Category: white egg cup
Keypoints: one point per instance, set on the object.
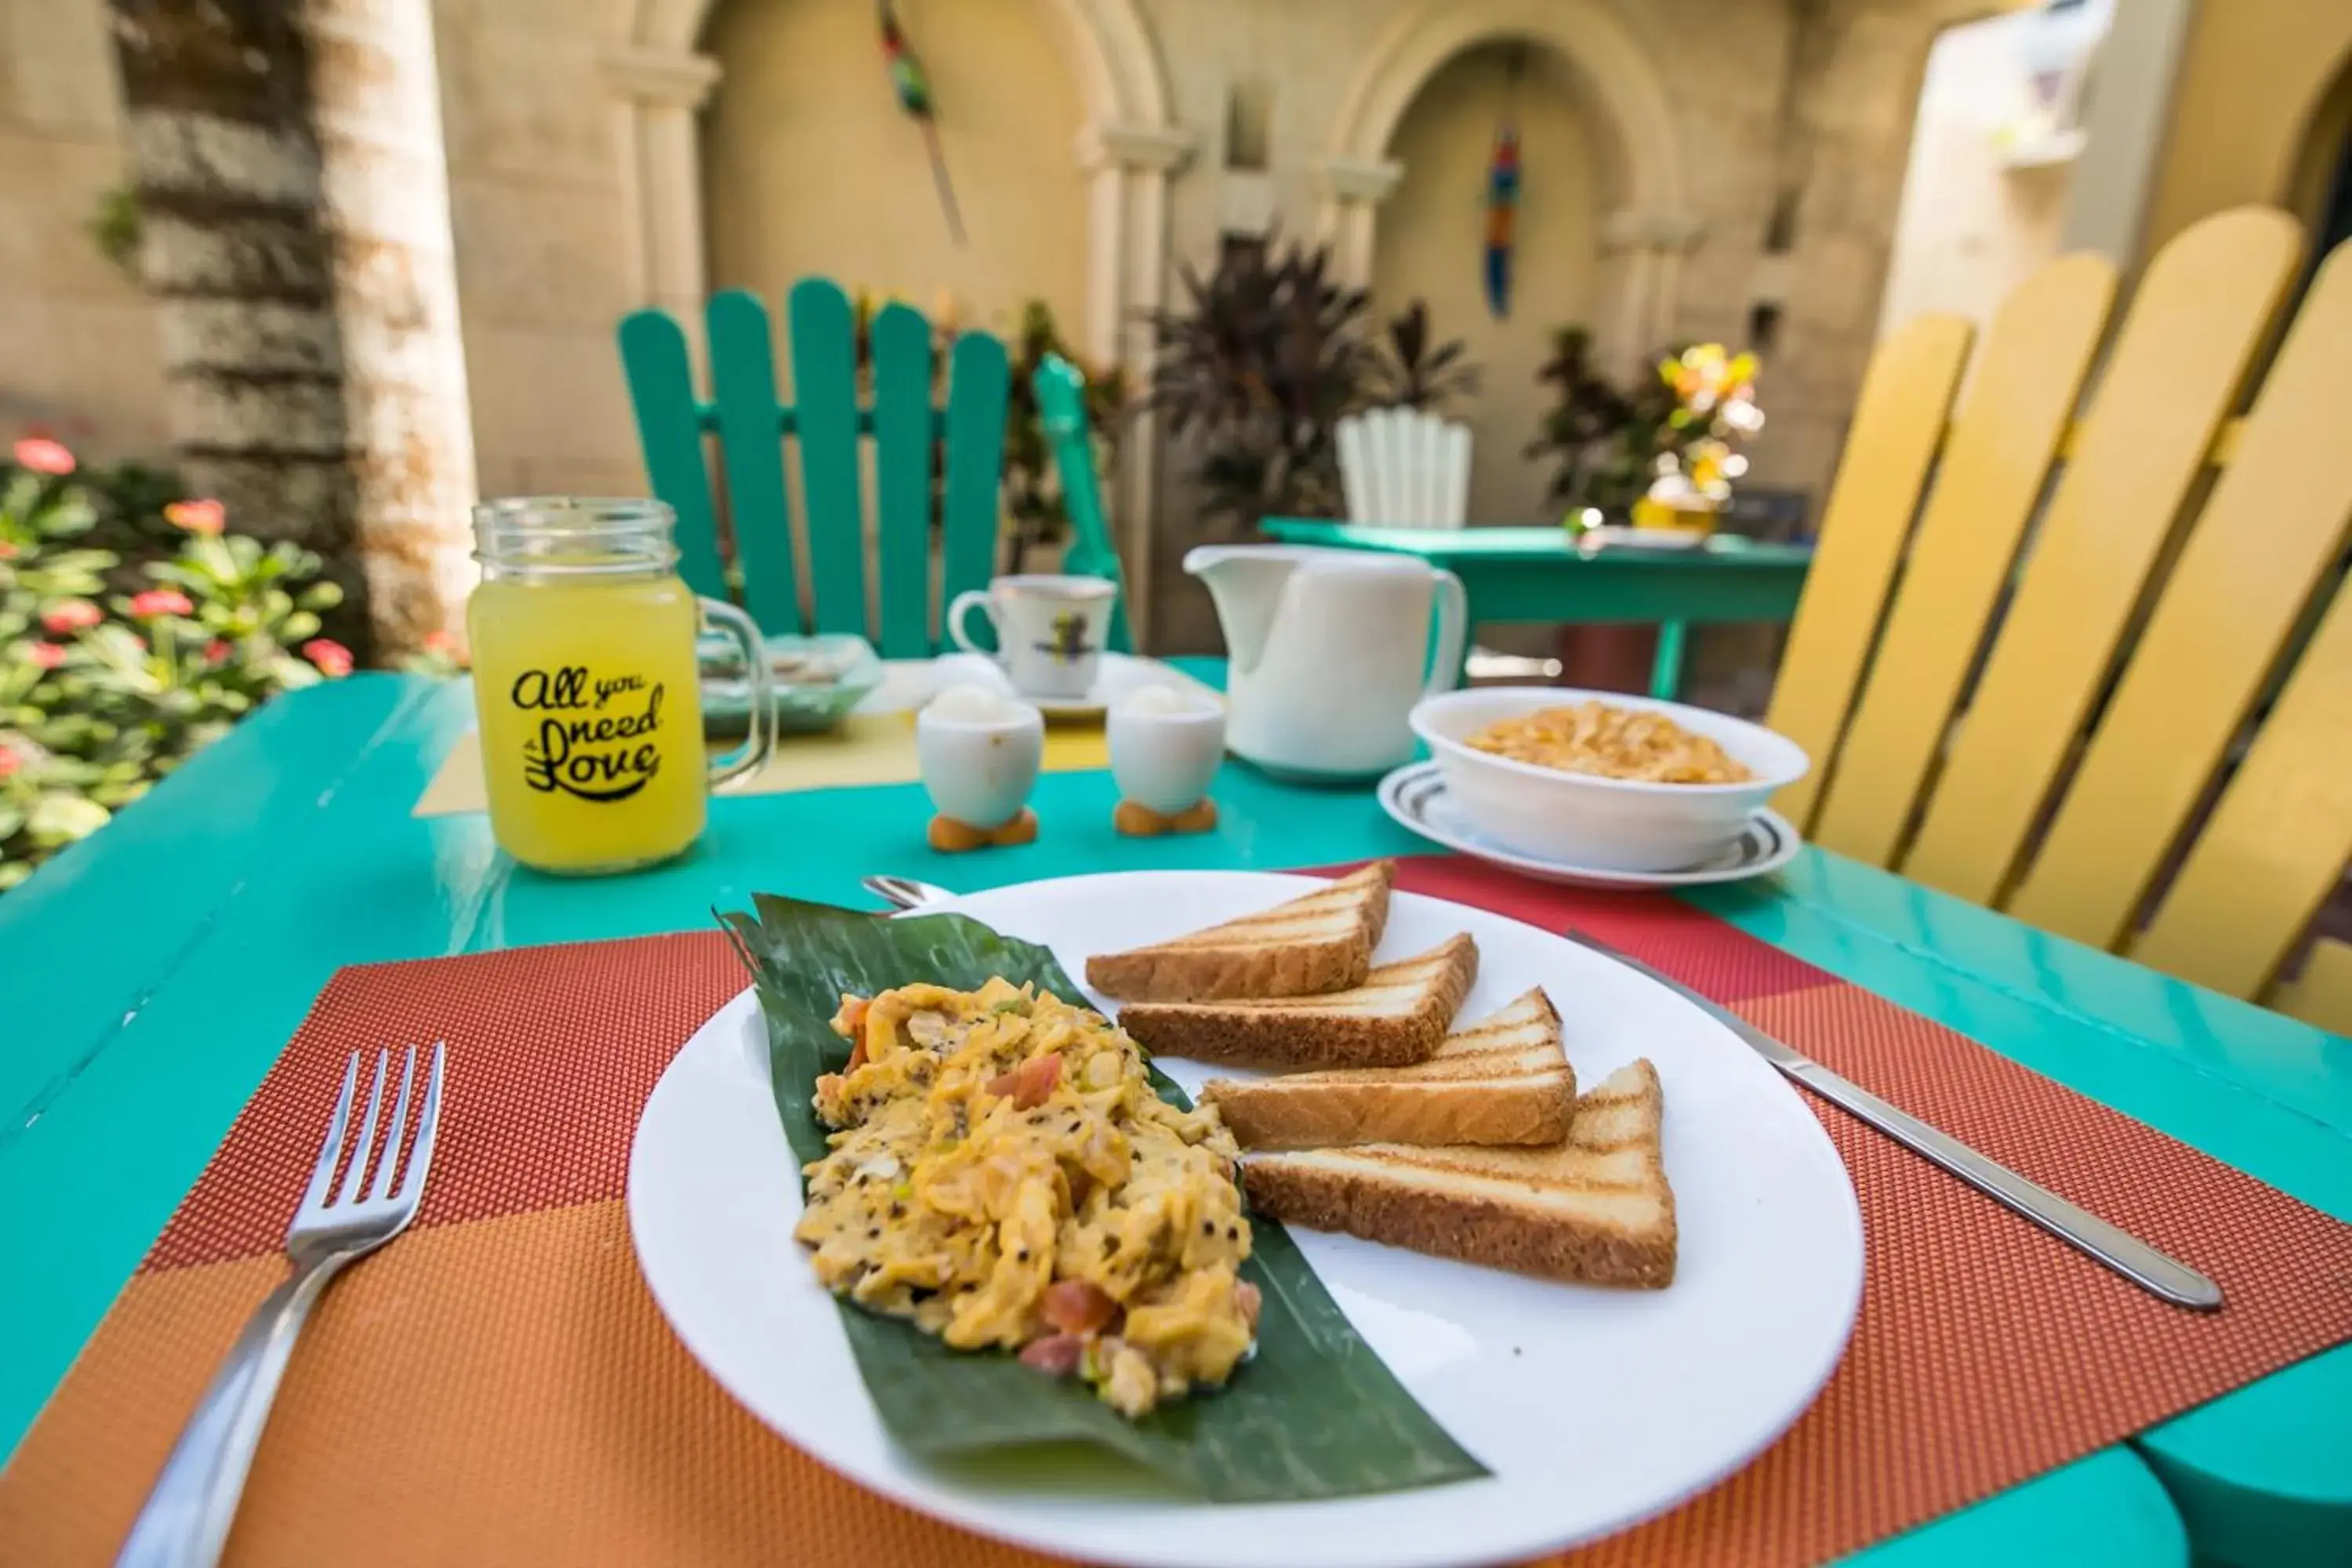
(979, 773)
(1163, 762)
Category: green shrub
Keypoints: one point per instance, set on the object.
(134, 630)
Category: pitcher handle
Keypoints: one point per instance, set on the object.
(1453, 632)
(761, 741)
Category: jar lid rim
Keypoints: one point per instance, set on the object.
(512, 534)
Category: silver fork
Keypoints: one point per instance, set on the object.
(905, 892)
(185, 1521)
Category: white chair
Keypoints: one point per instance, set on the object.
(1403, 468)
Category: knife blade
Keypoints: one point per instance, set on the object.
(2161, 1275)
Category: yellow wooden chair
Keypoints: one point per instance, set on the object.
(2036, 715)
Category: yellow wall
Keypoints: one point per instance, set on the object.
(810, 167)
(2253, 74)
(1432, 240)
(1970, 230)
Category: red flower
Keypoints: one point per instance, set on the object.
(7, 551)
(9, 762)
(216, 652)
(204, 517)
(332, 657)
(161, 602)
(47, 656)
(71, 615)
(43, 456)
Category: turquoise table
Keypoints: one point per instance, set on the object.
(148, 976)
(1542, 575)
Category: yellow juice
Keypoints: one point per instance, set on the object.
(590, 717)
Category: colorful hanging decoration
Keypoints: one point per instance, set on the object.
(1502, 205)
(1503, 195)
(914, 92)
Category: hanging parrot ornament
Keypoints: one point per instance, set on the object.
(1502, 211)
(914, 93)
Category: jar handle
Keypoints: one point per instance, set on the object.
(761, 741)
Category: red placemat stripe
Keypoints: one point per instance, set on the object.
(1713, 958)
(541, 1104)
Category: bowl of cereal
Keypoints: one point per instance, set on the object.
(1602, 780)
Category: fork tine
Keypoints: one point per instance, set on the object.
(356, 1177)
(428, 1121)
(331, 1150)
(382, 1186)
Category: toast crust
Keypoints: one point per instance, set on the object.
(1596, 1210)
(1505, 1079)
(1320, 941)
(1397, 1017)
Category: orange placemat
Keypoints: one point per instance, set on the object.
(499, 1387)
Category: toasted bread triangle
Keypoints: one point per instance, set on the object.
(1396, 1017)
(1595, 1208)
(1319, 942)
(1504, 1079)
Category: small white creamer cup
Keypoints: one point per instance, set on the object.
(1166, 743)
(979, 753)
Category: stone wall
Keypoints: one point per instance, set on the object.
(1800, 105)
(79, 350)
(1431, 246)
(1853, 88)
(1805, 105)
(535, 195)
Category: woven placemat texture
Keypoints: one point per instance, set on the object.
(499, 1387)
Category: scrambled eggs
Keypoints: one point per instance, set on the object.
(1004, 1176)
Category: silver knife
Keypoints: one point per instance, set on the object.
(2134, 1259)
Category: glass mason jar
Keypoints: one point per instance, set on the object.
(588, 687)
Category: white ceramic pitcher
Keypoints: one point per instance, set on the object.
(1328, 650)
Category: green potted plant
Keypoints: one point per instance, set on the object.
(1257, 364)
(1612, 446)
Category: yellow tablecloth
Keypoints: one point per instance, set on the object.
(869, 748)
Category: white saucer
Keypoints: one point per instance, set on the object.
(1118, 674)
(1417, 796)
(1617, 535)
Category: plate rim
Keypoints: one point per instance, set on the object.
(1393, 782)
(907, 1487)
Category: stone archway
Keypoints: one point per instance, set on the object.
(1649, 226)
(1130, 148)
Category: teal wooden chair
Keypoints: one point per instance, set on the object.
(829, 421)
(1062, 405)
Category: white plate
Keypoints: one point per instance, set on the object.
(1417, 796)
(1594, 1408)
(1118, 674)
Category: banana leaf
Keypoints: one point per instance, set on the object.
(1314, 1414)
